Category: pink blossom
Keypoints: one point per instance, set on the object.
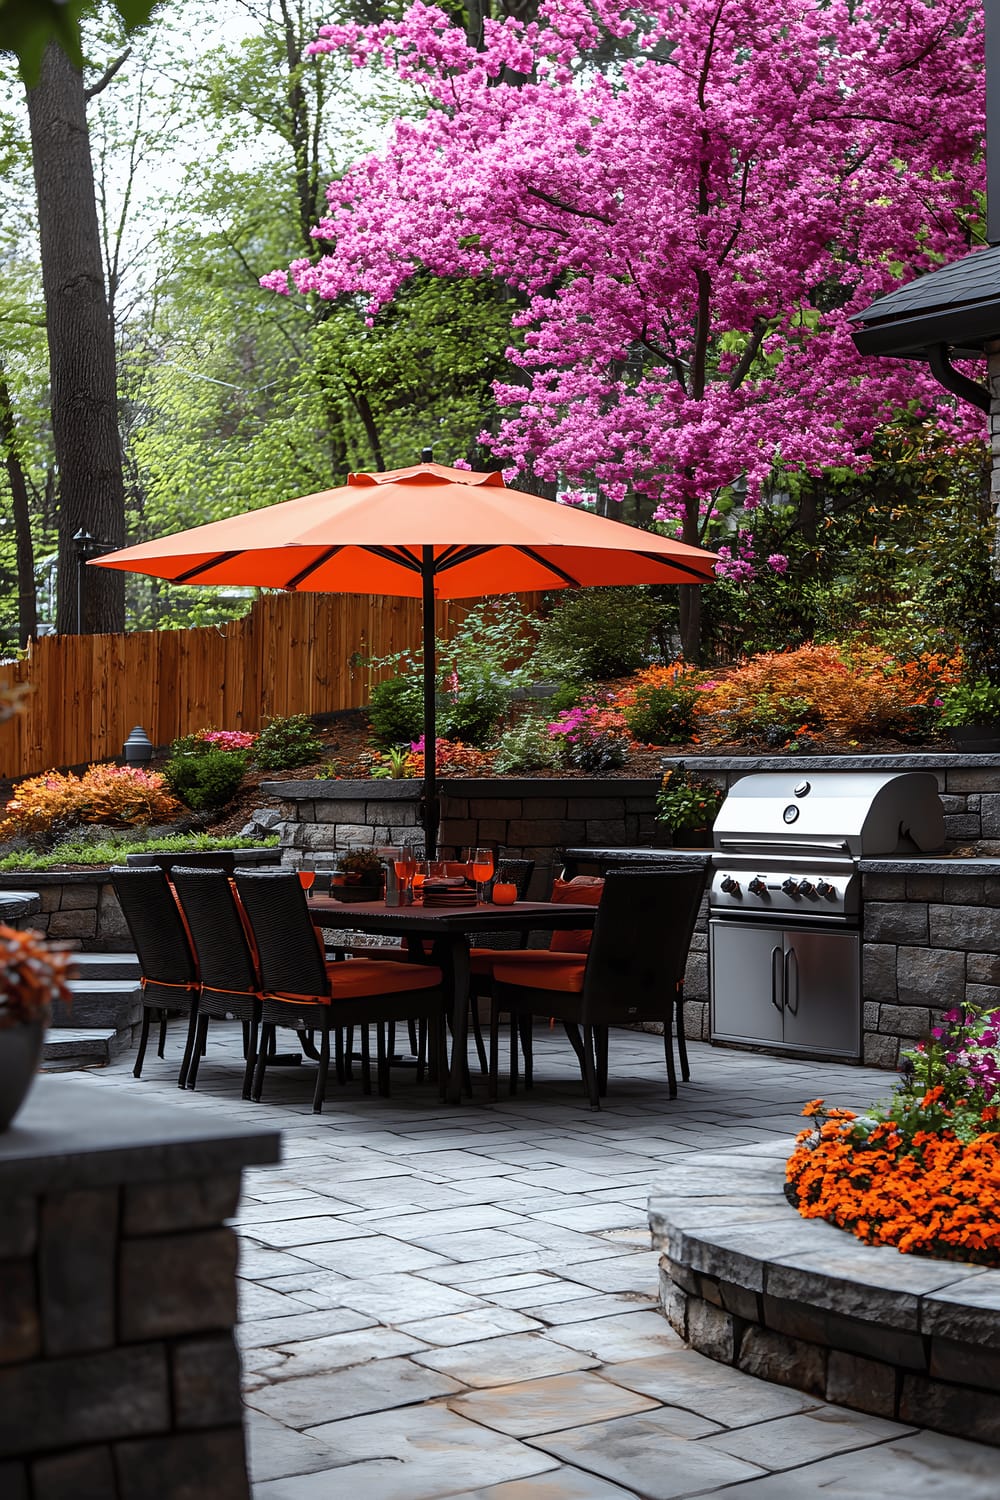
(686, 234)
(778, 562)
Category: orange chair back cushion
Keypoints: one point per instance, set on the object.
(582, 890)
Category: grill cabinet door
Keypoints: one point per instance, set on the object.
(822, 985)
(747, 967)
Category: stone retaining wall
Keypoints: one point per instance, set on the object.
(119, 1376)
(745, 1280)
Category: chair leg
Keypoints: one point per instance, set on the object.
(601, 1049)
(163, 1034)
(590, 1068)
(366, 1060)
(439, 1034)
(682, 1050)
(572, 1031)
(198, 1051)
(414, 1040)
(477, 1032)
(420, 1050)
(250, 1052)
(494, 1077)
(143, 1039)
(525, 1028)
(513, 1053)
(267, 1038)
(349, 1055)
(382, 1076)
(322, 1070)
(338, 1054)
(391, 1039)
(668, 1049)
(192, 1032)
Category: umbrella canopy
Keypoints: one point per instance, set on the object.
(428, 532)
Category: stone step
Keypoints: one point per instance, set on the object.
(106, 965)
(88, 1047)
(99, 1003)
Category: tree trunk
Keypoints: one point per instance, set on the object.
(81, 344)
(27, 599)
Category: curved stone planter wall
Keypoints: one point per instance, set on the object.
(748, 1282)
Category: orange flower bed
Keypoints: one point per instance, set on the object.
(928, 1194)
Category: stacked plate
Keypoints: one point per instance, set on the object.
(451, 891)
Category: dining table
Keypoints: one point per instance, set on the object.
(451, 930)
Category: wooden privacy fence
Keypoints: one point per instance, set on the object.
(293, 653)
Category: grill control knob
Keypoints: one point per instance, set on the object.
(824, 888)
(790, 886)
(757, 886)
(806, 888)
(730, 886)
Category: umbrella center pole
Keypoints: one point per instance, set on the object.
(431, 808)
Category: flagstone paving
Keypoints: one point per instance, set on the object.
(462, 1302)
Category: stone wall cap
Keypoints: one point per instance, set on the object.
(387, 790)
(73, 1134)
(921, 865)
(927, 760)
(19, 904)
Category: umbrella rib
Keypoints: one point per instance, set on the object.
(451, 557)
(399, 556)
(674, 562)
(311, 567)
(192, 573)
(551, 566)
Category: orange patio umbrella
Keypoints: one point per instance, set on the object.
(427, 532)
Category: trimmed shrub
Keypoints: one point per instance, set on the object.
(603, 632)
(286, 742)
(207, 780)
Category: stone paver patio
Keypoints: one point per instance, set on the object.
(461, 1302)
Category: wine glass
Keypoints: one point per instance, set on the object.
(482, 871)
(307, 875)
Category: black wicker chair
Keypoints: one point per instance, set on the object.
(303, 991)
(230, 987)
(169, 969)
(634, 972)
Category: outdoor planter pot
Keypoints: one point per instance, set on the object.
(20, 1054)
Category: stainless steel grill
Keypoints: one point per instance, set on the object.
(785, 899)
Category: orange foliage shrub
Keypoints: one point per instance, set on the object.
(932, 1194)
(105, 793)
(32, 975)
(850, 692)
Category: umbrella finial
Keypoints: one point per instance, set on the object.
(427, 455)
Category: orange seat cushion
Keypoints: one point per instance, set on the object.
(364, 976)
(565, 976)
(482, 960)
(582, 890)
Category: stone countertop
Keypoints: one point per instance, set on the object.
(647, 855)
(75, 1134)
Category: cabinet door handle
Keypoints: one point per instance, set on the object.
(792, 972)
(777, 987)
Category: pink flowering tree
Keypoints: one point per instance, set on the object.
(686, 231)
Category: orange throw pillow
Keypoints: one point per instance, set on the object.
(582, 890)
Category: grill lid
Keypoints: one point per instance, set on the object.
(857, 813)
